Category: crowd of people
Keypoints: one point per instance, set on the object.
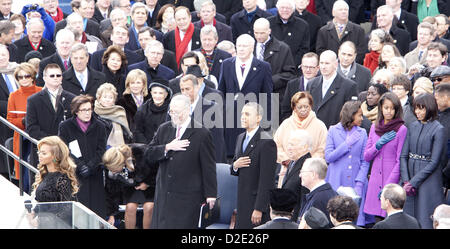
(329, 113)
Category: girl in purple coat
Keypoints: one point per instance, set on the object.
(383, 148)
(344, 153)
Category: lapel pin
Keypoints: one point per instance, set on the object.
(346, 32)
(332, 92)
(220, 61)
(403, 21)
(197, 42)
(353, 76)
(395, 41)
(270, 52)
(289, 34)
(254, 68)
(251, 145)
(40, 48)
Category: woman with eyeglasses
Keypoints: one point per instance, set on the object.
(25, 77)
(129, 180)
(420, 161)
(86, 138)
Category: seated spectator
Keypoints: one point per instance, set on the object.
(314, 219)
(441, 217)
(343, 212)
(393, 198)
(370, 105)
(227, 46)
(35, 11)
(115, 63)
(282, 202)
(135, 95)
(376, 40)
(114, 116)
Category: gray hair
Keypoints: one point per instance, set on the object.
(73, 16)
(199, 4)
(395, 194)
(79, 46)
(255, 106)
(386, 7)
(154, 43)
(34, 21)
(318, 165)
(246, 38)
(291, 2)
(226, 45)
(401, 61)
(340, 2)
(441, 212)
(183, 99)
(190, 77)
(303, 137)
(116, 11)
(208, 29)
(262, 22)
(64, 33)
(138, 5)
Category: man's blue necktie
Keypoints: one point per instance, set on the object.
(8, 83)
(244, 145)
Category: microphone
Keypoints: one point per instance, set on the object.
(28, 205)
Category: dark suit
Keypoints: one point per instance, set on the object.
(98, 17)
(279, 56)
(71, 84)
(12, 49)
(187, 3)
(163, 72)
(278, 224)
(96, 59)
(401, 39)
(293, 182)
(258, 81)
(398, 221)
(324, 10)
(219, 56)
(255, 181)
(223, 31)
(327, 39)
(174, 85)
(5, 132)
(167, 60)
(359, 74)
(56, 59)
(180, 191)
(169, 40)
(151, 20)
(196, 18)
(92, 27)
(314, 22)
(228, 8)
(446, 42)
(329, 108)
(46, 48)
(318, 198)
(408, 21)
(240, 25)
(295, 33)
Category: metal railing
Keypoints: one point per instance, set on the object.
(20, 157)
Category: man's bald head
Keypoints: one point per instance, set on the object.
(328, 63)
(261, 30)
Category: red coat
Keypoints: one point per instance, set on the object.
(371, 60)
(18, 102)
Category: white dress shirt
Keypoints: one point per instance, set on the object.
(85, 78)
(327, 83)
(190, 42)
(248, 64)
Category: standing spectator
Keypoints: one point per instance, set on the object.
(35, 11)
(53, 10)
(428, 8)
(343, 212)
(282, 202)
(7, 31)
(129, 178)
(344, 154)
(401, 86)
(246, 75)
(402, 38)
(370, 106)
(75, 24)
(25, 76)
(292, 30)
(165, 21)
(340, 29)
(64, 41)
(227, 46)
(178, 143)
(393, 198)
(56, 182)
(34, 41)
(377, 38)
(313, 20)
(117, 17)
(242, 21)
(330, 90)
(302, 118)
(383, 149)
(421, 172)
(425, 33)
(313, 175)
(86, 137)
(5, 9)
(442, 96)
(115, 63)
(443, 23)
(153, 7)
(298, 150)
(80, 78)
(254, 163)
(154, 111)
(85, 8)
(207, 18)
(114, 116)
(350, 69)
(139, 14)
(310, 69)
(135, 95)
(102, 10)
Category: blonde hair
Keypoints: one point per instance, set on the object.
(106, 87)
(115, 157)
(62, 161)
(133, 75)
(27, 68)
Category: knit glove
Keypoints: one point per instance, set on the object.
(352, 138)
(409, 189)
(386, 138)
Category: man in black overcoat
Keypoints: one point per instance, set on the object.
(242, 21)
(348, 68)
(254, 163)
(314, 21)
(186, 176)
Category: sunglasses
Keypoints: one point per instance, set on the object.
(55, 75)
(438, 79)
(21, 77)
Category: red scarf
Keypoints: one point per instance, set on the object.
(59, 15)
(32, 45)
(181, 46)
(203, 24)
(371, 60)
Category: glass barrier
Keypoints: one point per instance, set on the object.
(62, 215)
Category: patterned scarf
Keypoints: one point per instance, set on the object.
(209, 58)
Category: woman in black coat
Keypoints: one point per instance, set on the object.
(135, 94)
(86, 138)
(153, 112)
(129, 180)
(115, 63)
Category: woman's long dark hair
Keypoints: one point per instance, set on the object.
(427, 101)
(395, 101)
(348, 111)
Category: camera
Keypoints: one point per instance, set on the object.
(34, 7)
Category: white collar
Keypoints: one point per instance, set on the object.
(252, 133)
(395, 212)
(322, 182)
(398, 13)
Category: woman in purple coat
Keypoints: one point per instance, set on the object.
(384, 147)
(344, 153)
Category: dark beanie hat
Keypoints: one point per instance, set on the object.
(33, 54)
(283, 200)
(316, 219)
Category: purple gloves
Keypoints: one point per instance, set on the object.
(359, 188)
(352, 138)
(410, 190)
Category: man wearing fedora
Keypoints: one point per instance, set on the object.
(282, 202)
